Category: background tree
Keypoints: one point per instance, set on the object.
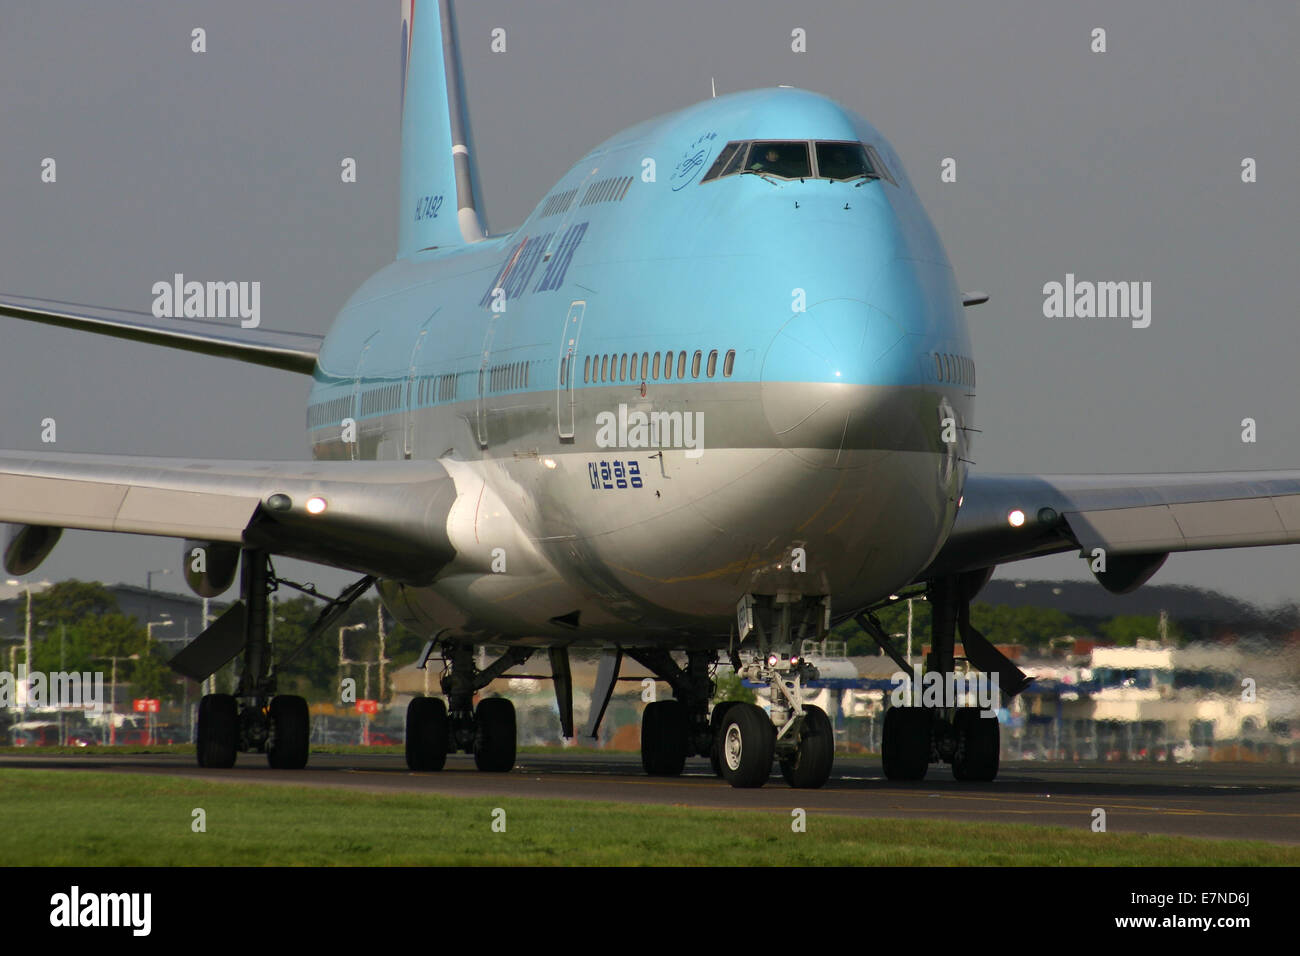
(68, 602)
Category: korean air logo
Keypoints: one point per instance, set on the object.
(688, 168)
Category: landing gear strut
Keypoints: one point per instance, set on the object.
(772, 628)
(962, 736)
(255, 719)
(672, 730)
(434, 729)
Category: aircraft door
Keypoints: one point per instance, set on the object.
(484, 379)
(412, 391)
(567, 371)
(354, 446)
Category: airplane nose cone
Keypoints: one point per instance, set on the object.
(817, 374)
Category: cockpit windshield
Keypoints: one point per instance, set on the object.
(799, 159)
(784, 159)
(843, 161)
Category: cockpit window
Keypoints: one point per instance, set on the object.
(732, 154)
(783, 159)
(799, 159)
(843, 161)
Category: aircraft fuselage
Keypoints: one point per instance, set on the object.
(656, 389)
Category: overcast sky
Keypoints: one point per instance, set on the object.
(1115, 166)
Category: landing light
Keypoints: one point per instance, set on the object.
(771, 660)
(315, 506)
(548, 462)
(1016, 518)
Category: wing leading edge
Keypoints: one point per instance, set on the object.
(1122, 514)
(190, 335)
(388, 519)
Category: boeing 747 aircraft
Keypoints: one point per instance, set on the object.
(713, 396)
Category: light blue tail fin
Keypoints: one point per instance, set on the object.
(439, 195)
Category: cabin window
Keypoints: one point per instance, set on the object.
(713, 363)
(695, 364)
(668, 365)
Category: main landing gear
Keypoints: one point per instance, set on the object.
(915, 737)
(434, 729)
(254, 719)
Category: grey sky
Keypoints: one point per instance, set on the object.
(225, 165)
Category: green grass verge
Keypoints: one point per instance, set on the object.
(120, 750)
(84, 818)
(316, 749)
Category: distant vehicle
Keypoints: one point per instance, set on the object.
(83, 740)
(378, 739)
(35, 734)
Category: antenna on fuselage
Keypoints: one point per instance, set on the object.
(714, 87)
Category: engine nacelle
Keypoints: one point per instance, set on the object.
(1128, 572)
(27, 545)
(210, 566)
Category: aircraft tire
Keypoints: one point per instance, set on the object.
(426, 734)
(291, 731)
(663, 738)
(810, 767)
(218, 731)
(905, 747)
(494, 735)
(978, 745)
(746, 746)
(715, 757)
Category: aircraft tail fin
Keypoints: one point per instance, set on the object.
(439, 193)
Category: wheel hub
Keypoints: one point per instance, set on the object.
(732, 746)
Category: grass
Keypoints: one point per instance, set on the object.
(81, 818)
(121, 749)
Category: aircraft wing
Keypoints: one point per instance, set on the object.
(388, 519)
(289, 351)
(1126, 515)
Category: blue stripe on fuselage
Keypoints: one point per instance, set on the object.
(713, 265)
